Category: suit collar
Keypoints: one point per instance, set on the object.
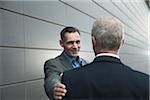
(66, 63)
(107, 59)
(64, 60)
(70, 60)
(108, 54)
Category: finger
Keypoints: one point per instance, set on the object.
(59, 94)
(58, 97)
(60, 85)
(61, 90)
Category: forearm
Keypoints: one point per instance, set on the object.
(52, 77)
(50, 82)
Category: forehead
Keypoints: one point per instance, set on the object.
(72, 36)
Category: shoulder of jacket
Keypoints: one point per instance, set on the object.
(53, 60)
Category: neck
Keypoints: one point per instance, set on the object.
(74, 58)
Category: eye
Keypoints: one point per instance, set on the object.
(70, 42)
(78, 42)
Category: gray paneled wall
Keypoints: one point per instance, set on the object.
(29, 35)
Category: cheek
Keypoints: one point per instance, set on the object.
(79, 46)
(67, 47)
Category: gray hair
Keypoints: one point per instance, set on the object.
(108, 32)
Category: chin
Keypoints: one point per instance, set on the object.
(75, 55)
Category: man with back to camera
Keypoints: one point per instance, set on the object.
(69, 59)
(106, 78)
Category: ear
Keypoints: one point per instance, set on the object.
(122, 41)
(61, 43)
(93, 41)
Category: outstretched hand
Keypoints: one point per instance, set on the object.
(59, 91)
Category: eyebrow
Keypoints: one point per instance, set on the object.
(73, 41)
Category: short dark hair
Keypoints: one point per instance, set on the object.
(68, 29)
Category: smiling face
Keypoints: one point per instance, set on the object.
(71, 44)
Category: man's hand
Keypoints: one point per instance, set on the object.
(59, 91)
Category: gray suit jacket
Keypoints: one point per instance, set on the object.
(52, 70)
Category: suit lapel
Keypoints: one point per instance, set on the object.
(63, 60)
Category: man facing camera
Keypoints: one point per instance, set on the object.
(68, 59)
(106, 78)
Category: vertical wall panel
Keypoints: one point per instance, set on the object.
(78, 19)
(0, 48)
(135, 18)
(149, 41)
(34, 62)
(34, 88)
(12, 5)
(86, 39)
(0, 65)
(13, 92)
(40, 34)
(128, 20)
(88, 56)
(12, 65)
(96, 11)
(139, 15)
(0, 54)
(51, 10)
(143, 59)
(133, 34)
(77, 14)
(0, 94)
(0, 70)
(0, 26)
(87, 7)
(12, 28)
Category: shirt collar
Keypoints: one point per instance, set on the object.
(69, 59)
(108, 54)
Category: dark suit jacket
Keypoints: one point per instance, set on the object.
(106, 78)
(52, 70)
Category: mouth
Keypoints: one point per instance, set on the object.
(75, 52)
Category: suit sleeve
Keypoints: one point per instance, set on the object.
(52, 76)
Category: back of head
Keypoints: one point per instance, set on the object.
(108, 33)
